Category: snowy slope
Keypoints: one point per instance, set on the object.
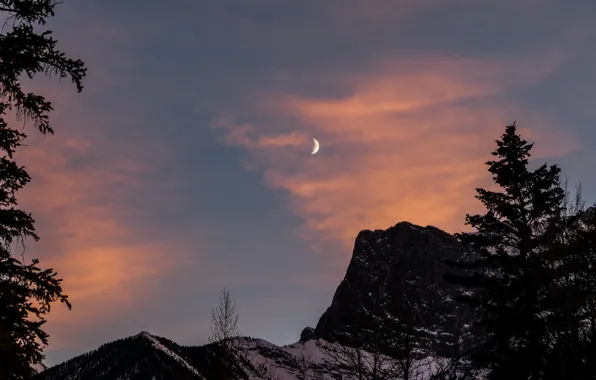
(286, 362)
(145, 356)
(158, 345)
(142, 356)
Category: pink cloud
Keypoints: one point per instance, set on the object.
(109, 265)
(83, 184)
(402, 145)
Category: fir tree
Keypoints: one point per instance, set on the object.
(26, 290)
(506, 277)
(586, 293)
(572, 318)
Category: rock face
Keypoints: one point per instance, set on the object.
(394, 280)
(308, 333)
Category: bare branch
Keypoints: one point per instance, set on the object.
(224, 327)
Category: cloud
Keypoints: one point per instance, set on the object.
(86, 220)
(407, 142)
(89, 195)
(290, 139)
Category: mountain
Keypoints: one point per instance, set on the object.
(142, 356)
(38, 368)
(146, 356)
(394, 280)
(397, 275)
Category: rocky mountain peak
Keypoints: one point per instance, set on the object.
(143, 335)
(392, 270)
(308, 333)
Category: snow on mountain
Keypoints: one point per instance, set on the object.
(286, 361)
(145, 356)
(157, 344)
(312, 357)
(142, 356)
(38, 368)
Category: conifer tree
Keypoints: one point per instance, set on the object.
(506, 276)
(26, 290)
(572, 314)
(586, 293)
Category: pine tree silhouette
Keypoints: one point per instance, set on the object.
(26, 290)
(506, 277)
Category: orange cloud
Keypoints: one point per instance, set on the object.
(407, 143)
(285, 140)
(109, 266)
(81, 192)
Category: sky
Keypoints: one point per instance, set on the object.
(184, 166)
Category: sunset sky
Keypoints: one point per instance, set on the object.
(184, 166)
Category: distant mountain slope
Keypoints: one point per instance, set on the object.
(145, 356)
(142, 356)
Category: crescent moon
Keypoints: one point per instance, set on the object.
(315, 147)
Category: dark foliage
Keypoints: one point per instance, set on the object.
(26, 290)
(519, 275)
